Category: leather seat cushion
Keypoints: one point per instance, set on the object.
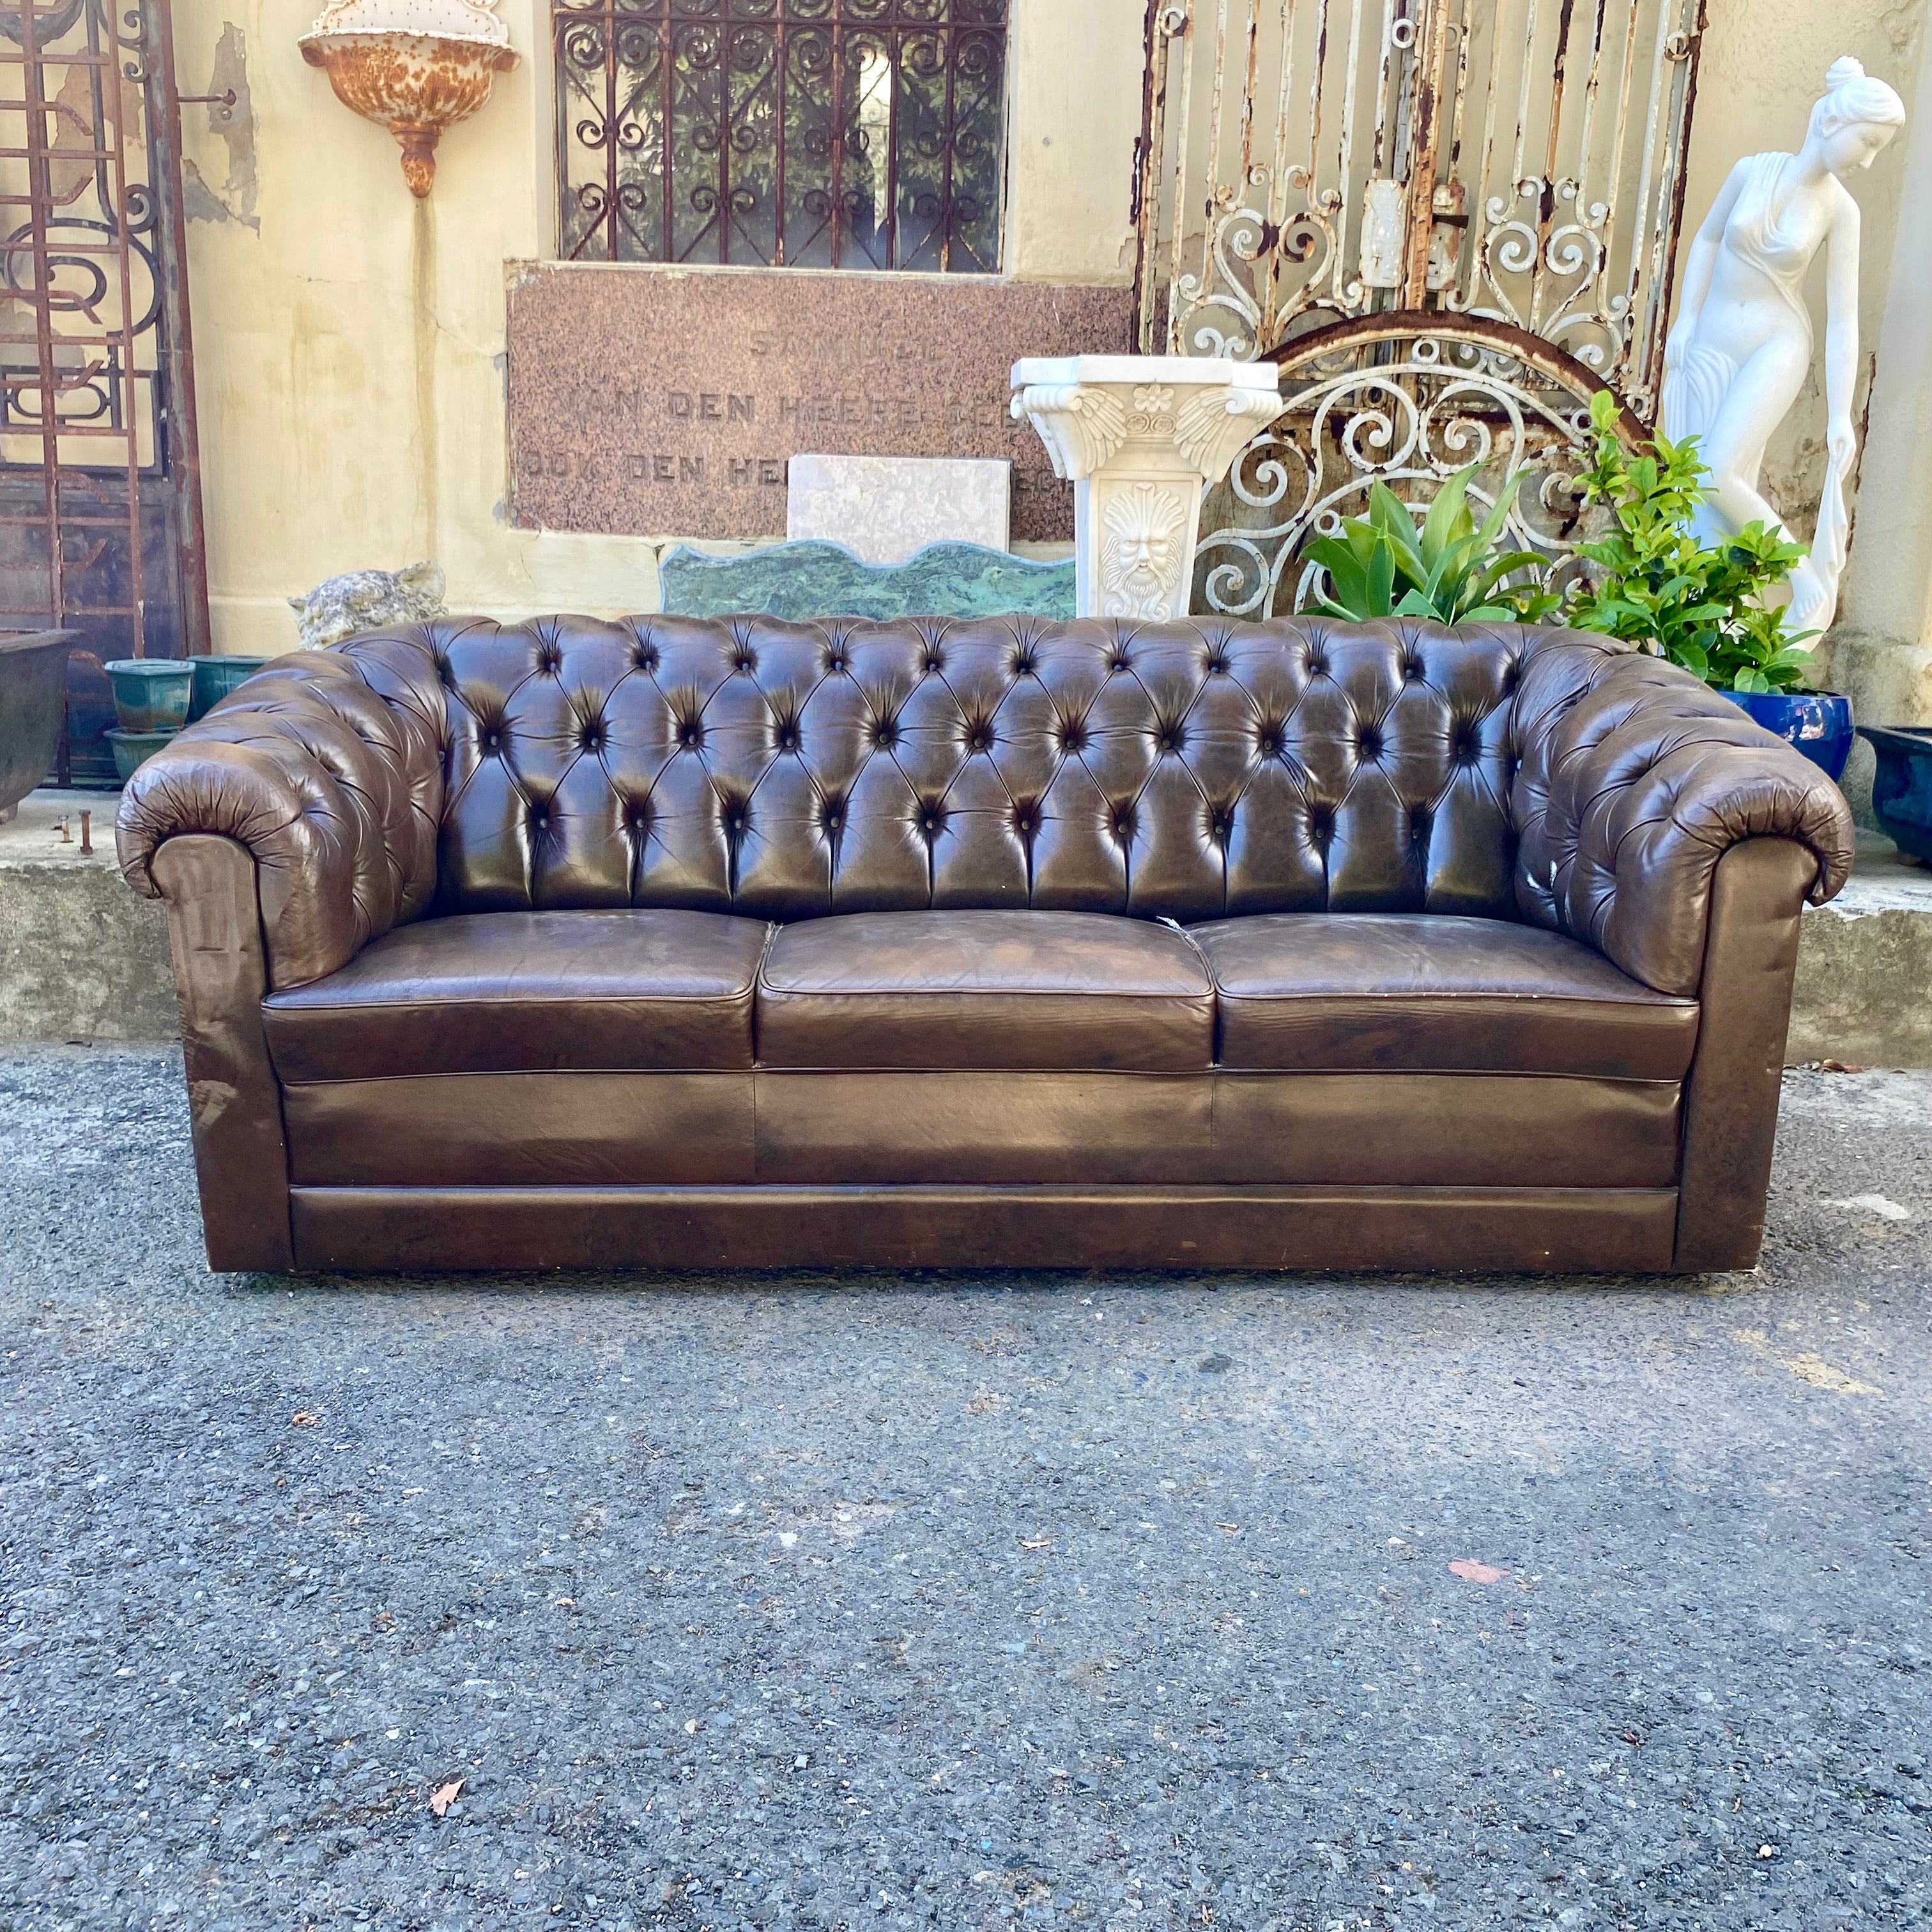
(1411, 993)
(620, 991)
(945, 991)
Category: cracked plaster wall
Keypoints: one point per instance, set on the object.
(350, 340)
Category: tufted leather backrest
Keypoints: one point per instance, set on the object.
(783, 770)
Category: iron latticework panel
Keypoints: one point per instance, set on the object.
(825, 133)
(1308, 162)
(99, 517)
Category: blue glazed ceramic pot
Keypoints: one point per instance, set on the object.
(1902, 785)
(1819, 723)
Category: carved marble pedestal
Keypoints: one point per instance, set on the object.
(1140, 437)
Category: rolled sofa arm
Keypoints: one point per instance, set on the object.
(327, 767)
(1634, 779)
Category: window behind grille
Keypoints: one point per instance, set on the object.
(816, 133)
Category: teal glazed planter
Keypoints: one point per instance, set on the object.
(215, 677)
(132, 749)
(1902, 785)
(151, 694)
(1818, 723)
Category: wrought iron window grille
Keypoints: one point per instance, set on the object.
(825, 133)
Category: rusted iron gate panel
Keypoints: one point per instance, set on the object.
(1306, 162)
(101, 527)
(827, 133)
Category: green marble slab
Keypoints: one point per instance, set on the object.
(825, 580)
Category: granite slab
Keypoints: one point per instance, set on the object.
(652, 400)
(822, 580)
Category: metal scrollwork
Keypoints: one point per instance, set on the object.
(830, 133)
(1406, 400)
(1305, 166)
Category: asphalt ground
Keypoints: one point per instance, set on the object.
(1269, 1603)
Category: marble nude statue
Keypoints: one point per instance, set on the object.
(1741, 349)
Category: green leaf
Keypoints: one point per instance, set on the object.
(1381, 580)
(1451, 506)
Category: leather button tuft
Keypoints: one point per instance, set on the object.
(689, 734)
(1369, 745)
(644, 658)
(1023, 665)
(492, 741)
(979, 736)
(835, 662)
(1026, 820)
(786, 736)
(1121, 823)
(932, 664)
(1073, 735)
(886, 734)
(744, 663)
(932, 819)
(832, 816)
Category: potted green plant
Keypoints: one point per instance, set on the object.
(1702, 606)
(1381, 565)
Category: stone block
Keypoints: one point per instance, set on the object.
(886, 509)
(822, 580)
(81, 957)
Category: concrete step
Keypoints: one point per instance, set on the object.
(82, 959)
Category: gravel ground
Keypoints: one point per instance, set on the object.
(959, 1601)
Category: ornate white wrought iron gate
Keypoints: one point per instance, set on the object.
(1449, 221)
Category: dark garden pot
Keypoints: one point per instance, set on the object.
(1902, 785)
(33, 701)
(151, 694)
(1819, 723)
(132, 749)
(215, 677)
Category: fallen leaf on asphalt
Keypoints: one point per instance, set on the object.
(302, 1419)
(1873, 1204)
(1838, 1066)
(1632, 1738)
(444, 1795)
(1820, 1374)
(1471, 1571)
(1232, 1529)
(1036, 1543)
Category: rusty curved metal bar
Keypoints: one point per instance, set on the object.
(1504, 338)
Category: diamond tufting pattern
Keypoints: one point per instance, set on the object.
(1188, 771)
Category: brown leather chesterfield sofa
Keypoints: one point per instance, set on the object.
(673, 941)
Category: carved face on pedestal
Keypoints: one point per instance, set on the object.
(1142, 551)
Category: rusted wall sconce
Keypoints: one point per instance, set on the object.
(416, 66)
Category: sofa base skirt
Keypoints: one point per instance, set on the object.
(419, 1230)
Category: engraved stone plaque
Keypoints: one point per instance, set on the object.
(653, 401)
